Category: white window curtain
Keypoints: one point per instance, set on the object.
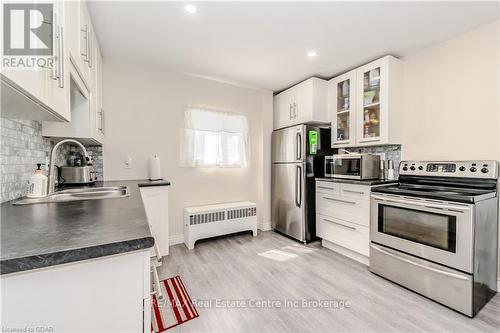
(213, 138)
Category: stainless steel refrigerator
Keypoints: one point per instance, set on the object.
(298, 155)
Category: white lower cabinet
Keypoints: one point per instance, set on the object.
(107, 294)
(343, 218)
(155, 199)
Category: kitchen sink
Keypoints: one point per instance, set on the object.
(77, 194)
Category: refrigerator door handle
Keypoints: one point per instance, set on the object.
(299, 146)
(298, 186)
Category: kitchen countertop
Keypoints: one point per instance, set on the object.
(369, 182)
(47, 234)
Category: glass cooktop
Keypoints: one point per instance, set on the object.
(468, 195)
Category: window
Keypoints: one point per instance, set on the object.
(214, 139)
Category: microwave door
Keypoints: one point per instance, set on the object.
(347, 167)
(288, 145)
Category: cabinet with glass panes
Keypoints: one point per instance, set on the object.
(341, 106)
(366, 103)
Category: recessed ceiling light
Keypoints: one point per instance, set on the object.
(190, 9)
(311, 54)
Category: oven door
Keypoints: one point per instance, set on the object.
(438, 231)
(349, 168)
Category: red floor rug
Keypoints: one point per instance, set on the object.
(175, 308)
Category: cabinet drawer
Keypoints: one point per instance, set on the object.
(344, 208)
(349, 235)
(327, 187)
(355, 191)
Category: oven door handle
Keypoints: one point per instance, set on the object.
(459, 209)
(435, 270)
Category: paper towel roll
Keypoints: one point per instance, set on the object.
(154, 168)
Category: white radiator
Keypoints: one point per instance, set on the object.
(216, 220)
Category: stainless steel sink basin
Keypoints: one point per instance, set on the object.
(77, 194)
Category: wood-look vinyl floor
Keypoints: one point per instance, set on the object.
(228, 269)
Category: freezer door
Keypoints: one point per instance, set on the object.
(288, 199)
(288, 145)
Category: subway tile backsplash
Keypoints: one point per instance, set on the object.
(22, 147)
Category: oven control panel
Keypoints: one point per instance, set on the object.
(468, 169)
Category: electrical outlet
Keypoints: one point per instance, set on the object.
(127, 163)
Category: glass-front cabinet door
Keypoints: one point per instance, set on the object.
(372, 103)
(342, 97)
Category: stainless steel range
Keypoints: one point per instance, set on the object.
(436, 232)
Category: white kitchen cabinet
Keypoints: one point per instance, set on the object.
(85, 93)
(155, 199)
(84, 125)
(365, 104)
(40, 93)
(99, 111)
(107, 294)
(343, 218)
(302, 103)
(87, 43)
(342, 109)
(80, 38)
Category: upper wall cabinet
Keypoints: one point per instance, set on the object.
(365, 103)
(304, 102)
(85, 81)
(40, 93)
(81, 39)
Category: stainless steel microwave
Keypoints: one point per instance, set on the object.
(352, 166)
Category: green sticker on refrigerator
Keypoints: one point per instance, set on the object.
(313, 142)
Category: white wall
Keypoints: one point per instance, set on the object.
(452, 99)
(144, 110)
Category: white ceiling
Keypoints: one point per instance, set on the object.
(264, 44)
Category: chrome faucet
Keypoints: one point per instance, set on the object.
(51, 184)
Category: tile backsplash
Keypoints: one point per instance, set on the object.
(22, 147)
(391, 152)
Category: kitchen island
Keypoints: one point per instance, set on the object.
(90, 256)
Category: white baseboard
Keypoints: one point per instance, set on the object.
(176, 239)
(265, 226)
(346, 252)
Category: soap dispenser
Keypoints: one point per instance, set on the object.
(37, 184)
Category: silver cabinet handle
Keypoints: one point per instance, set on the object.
(326, 188)
(299, 145)
(85, 54)
(290, 112)
(91, 54)
(355, 192)
(424, 204)
(61, 57)
(435, 270)
(340, 224)
(294, 110)
(339, 200)
(101, 122)
(55, 46)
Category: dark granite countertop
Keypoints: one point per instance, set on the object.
(369, 182)
(47, 234)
